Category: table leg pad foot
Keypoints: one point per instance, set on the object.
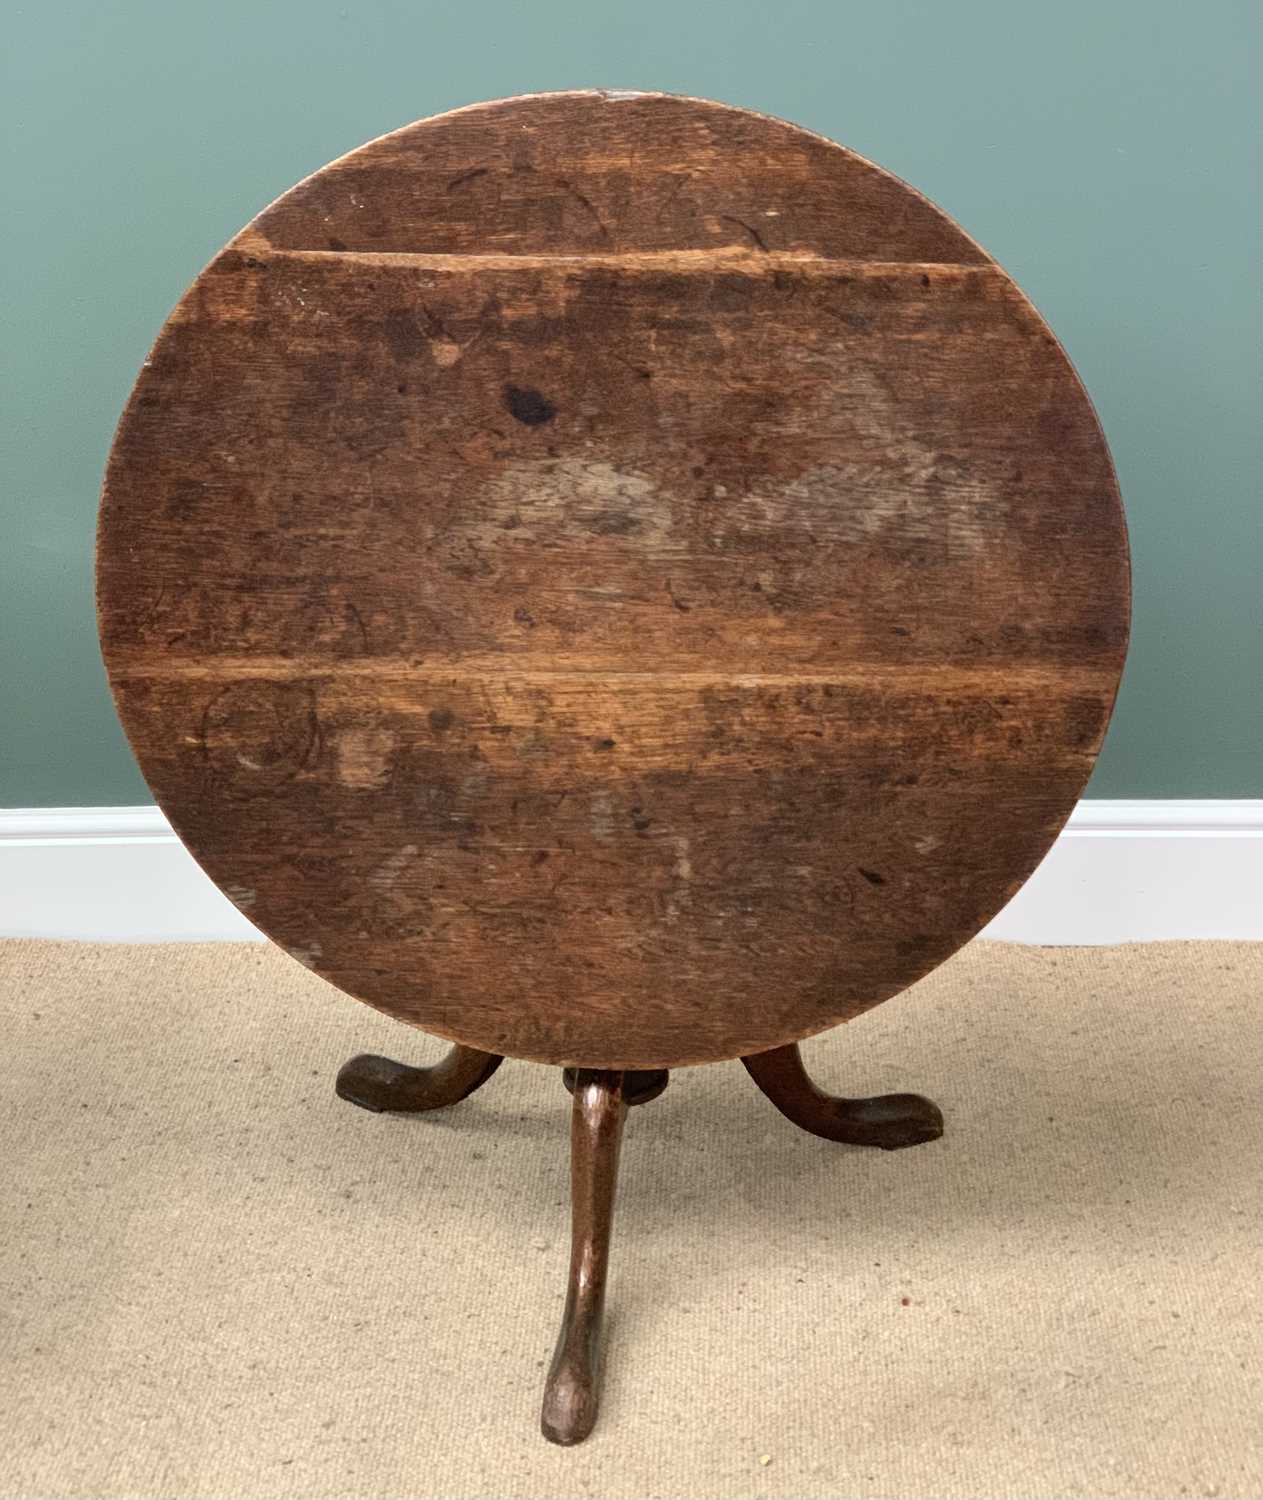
(888, 1121)
(379, 1084)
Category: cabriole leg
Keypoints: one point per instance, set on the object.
(596, 1129)
(379, 1084)
(889, 1121)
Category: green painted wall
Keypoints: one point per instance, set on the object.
(1106, 151)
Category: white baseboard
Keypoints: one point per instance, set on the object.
(106, 874)
(1120, 872)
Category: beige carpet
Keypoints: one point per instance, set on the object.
(217, 1280)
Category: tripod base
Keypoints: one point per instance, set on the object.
(601, 1101)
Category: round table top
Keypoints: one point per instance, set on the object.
(612, 579)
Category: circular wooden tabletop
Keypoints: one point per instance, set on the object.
(612, 579)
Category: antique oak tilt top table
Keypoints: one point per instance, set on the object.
(614, 580)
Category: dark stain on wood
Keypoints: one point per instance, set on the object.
(528, 406)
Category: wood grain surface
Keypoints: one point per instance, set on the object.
(614, 580)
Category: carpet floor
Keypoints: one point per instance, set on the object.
(220, 1282)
